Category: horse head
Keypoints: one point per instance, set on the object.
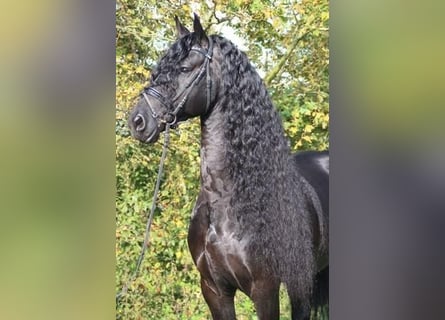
(181, 85)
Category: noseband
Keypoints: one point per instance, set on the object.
(171, 117)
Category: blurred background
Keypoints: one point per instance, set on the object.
(387, 160)
(57, 185)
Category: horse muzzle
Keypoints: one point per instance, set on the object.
(144, 127)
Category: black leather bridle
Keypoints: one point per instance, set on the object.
(170, 118)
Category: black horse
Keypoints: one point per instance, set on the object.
(261, 217)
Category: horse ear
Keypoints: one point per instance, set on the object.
(198, 29)
(180, 29)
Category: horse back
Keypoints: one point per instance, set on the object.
(314, 167)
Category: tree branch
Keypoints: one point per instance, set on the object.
(272, 74)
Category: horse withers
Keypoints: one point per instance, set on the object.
(261, 217)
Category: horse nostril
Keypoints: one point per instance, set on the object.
(139, 122)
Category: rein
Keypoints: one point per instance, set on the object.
(150, 217)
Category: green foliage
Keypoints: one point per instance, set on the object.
(288, 43)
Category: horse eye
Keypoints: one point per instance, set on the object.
(185, 69)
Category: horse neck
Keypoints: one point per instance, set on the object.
(242, 148)
(216, 185)
(213, 149)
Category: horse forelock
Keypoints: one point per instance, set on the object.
(167, 69)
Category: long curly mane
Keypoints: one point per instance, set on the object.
(270, 197)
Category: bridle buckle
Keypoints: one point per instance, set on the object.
(170, 119)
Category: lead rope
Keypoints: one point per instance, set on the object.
(150, 218)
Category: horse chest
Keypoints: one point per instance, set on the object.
(221, 257)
